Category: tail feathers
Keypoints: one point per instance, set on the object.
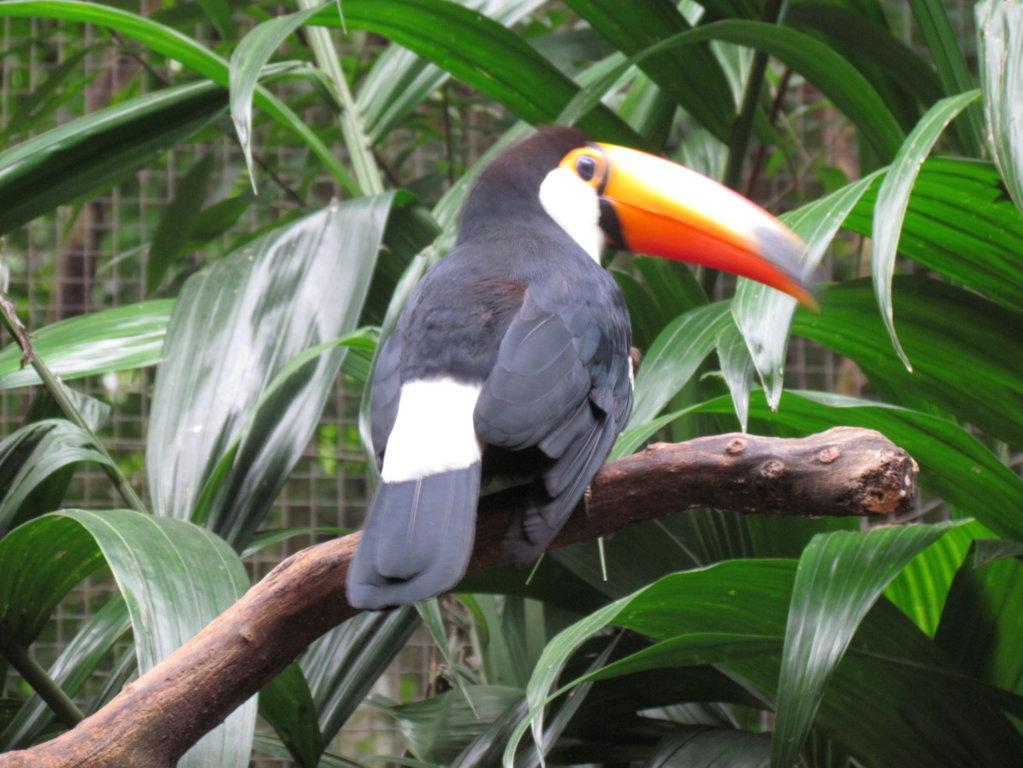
(417, 539)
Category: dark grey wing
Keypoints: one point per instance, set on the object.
(384, 393)
(560, 384)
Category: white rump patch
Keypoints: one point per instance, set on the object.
(574, 205)
(433, 431)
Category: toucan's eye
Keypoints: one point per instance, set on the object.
(586, 167)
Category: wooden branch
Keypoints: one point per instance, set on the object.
(155, 719)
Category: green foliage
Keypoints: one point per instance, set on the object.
(861, 644)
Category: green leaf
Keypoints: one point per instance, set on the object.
(174, 45)
(174, 576)
(703, 747)
(177, 221)
(247, 61)
(736, 368)
(839, 578)
(1000, 56)
(432, 618)
(76, 663)
(893, 200)
(40, 562)
(480, 52)
(439, 728)
(674, 357)
(219, 12)
(764, 314)
(951, 64)
(921, 588)
(399, 80)
(961, 224)
(30, 456)
(693, 77)
(93, 411)
(967, 352)
(265, 539)
(343, 665)
(235, 328)
(734, 614)
(266, 744)
(89, 152)
(61, 84)
(118, 339)
(285, 703)
(980, 626)
(266, 449)
(821, 65)
(900, 75)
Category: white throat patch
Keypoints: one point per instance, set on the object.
(574, 205)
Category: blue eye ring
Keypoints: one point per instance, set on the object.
(586, 167)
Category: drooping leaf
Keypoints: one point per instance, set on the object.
(439, 728)
(242, 486)
(272, 746)
(93, 150)
(30, 456)
(93, 411)
(174, 577)
(247, 61)
(399, 80)
(736, 368)
(734, 614)
(344, 664)
(821, 65)
(980, 625)
(267, 538)
(764, 314)
(177, 220)
(960, 223)
(117, 339)
(168, 42)
(693, 77)
(285, 703)
(75, 664)
(433, 619)
(1000, 56)
(839, 578)
(921, 588)
(893, 200)
(40, 562)
(60, 85)
(879, 54)
(674, 357)
(219, 12)
(235, 328)
(949, 60)
(480, 52)
(967, 352)
(703, 747)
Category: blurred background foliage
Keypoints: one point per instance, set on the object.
(210, 212)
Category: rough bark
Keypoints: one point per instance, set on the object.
(155, 719)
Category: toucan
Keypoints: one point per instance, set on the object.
(514, 350)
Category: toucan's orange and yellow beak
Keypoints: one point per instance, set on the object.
(663, 209)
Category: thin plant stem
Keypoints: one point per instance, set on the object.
(738, 141)
(758, 161)
(367, 173)
(57, 391)
(41, 682)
